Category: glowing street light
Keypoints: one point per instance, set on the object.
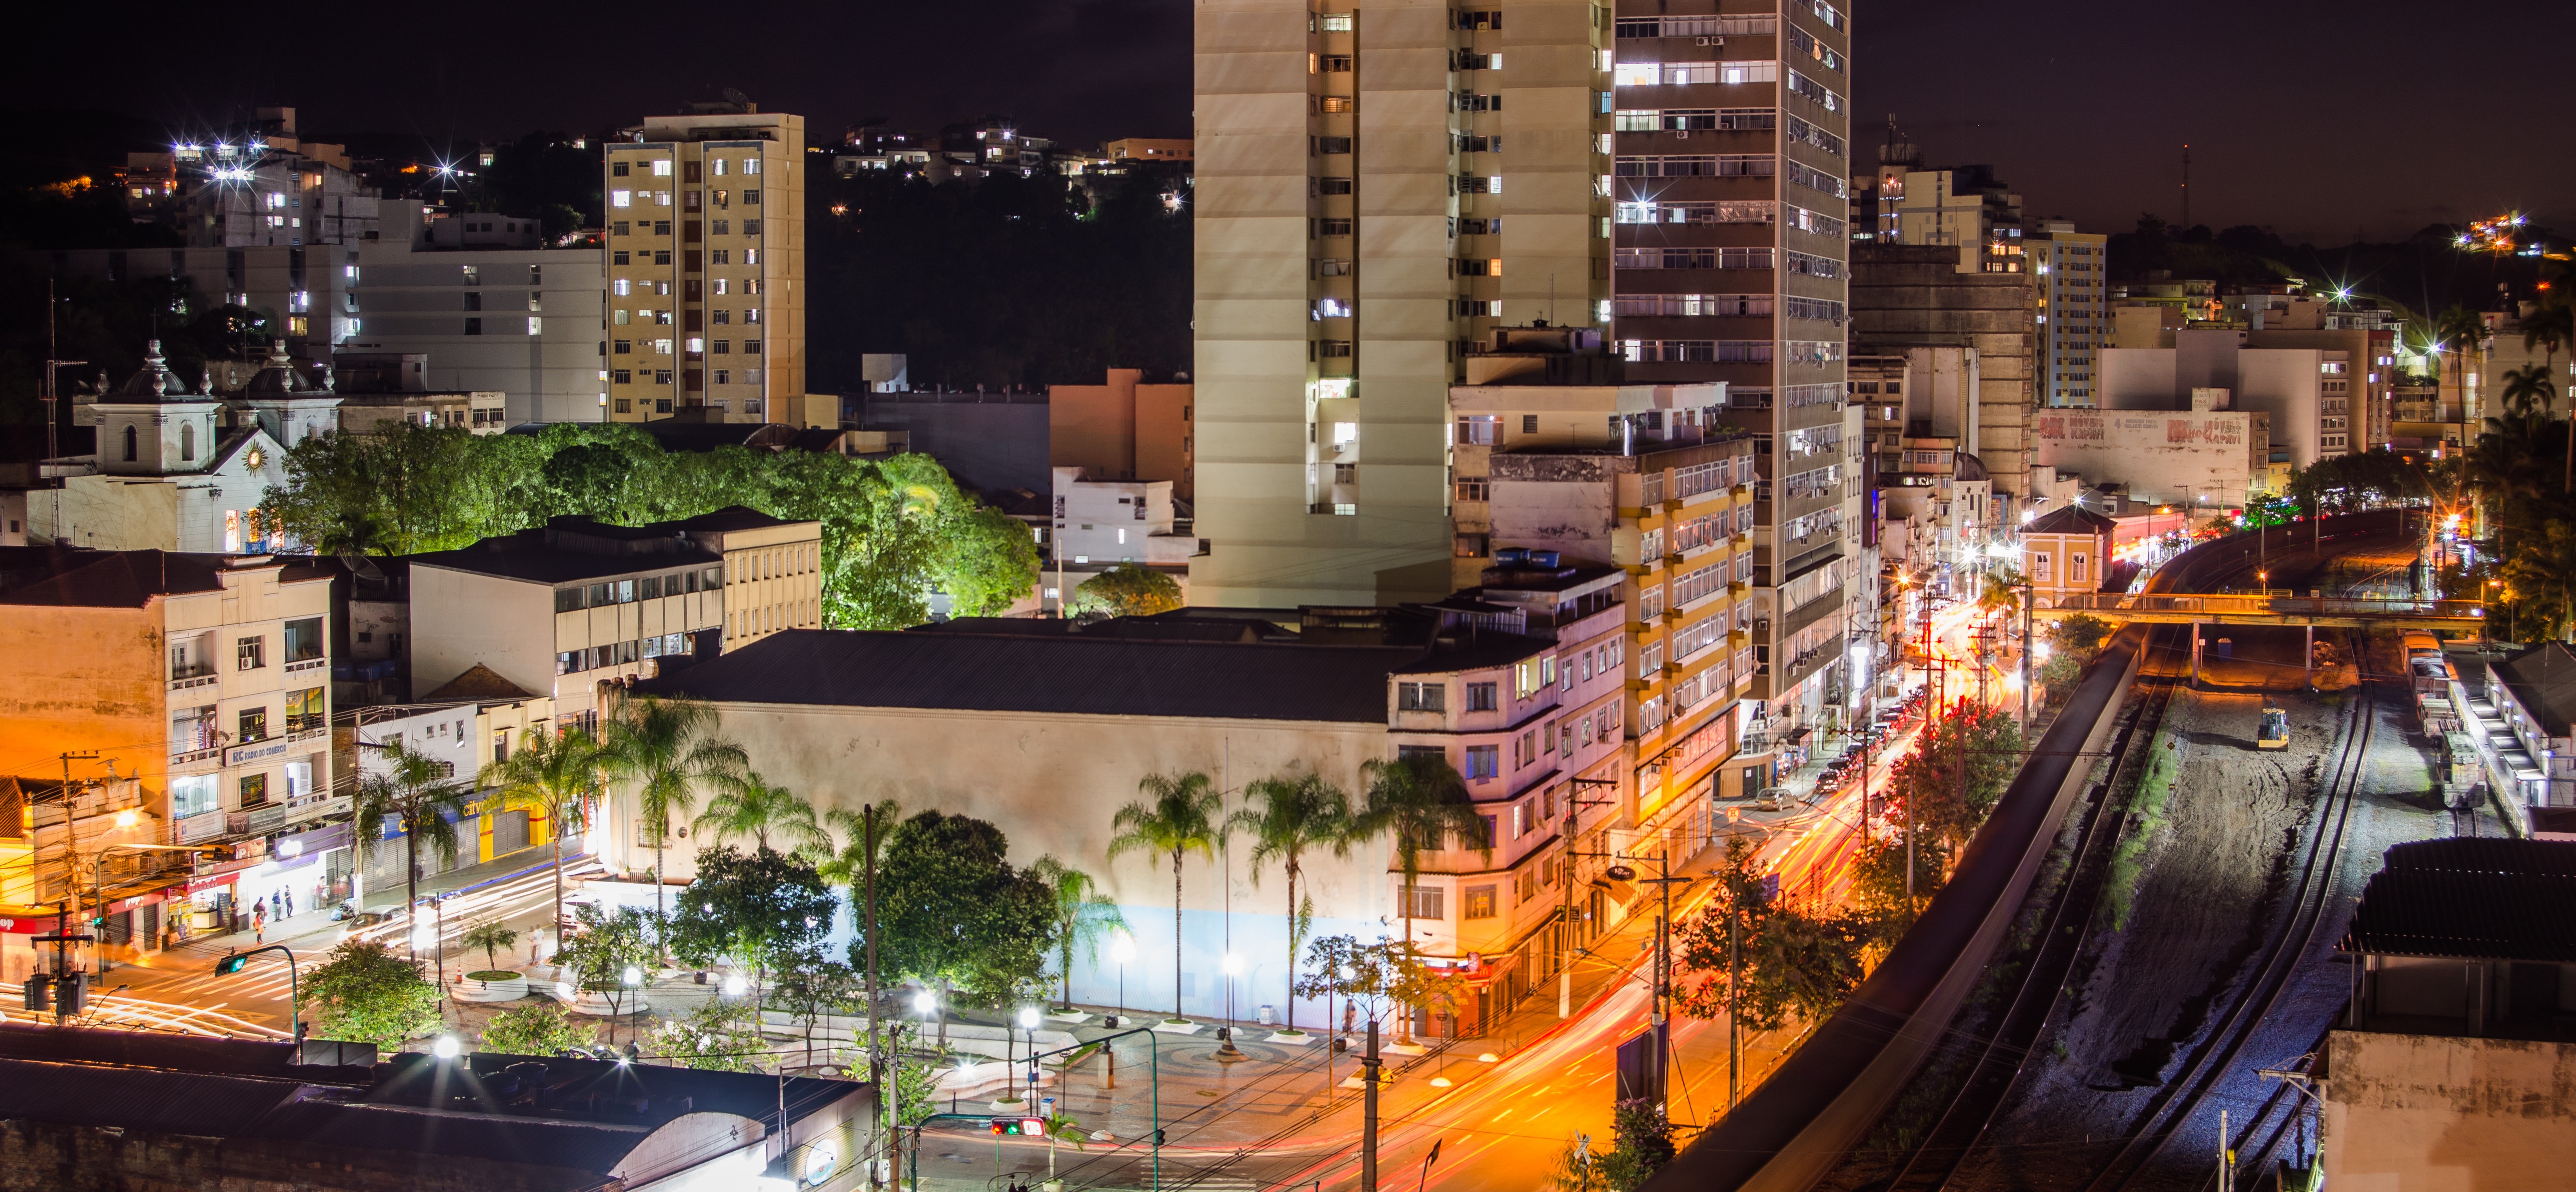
(446, 1047)
(925, 1003)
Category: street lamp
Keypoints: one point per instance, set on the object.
(1029, 1025)
(1122, 950)
(1225, 1048)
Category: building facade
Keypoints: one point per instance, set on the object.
(706, 269)
(1125, 429)
(2068, 276)
(483, 311)
(1375, 184)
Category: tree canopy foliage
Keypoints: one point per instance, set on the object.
(365, 994)
(762, 911)
(895, 531)
(952, 910)
(1127, 590)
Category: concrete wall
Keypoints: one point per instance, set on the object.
(459, 618)
(1123, 429)
(1052, 783)
(2283, 382)
(987, 441)
(2431, 1111)
(2209, 459)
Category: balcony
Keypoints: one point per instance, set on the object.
(196, 674)
(308, 666)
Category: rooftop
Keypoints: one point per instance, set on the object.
(73, 577)
(2069, 519)
(478, 683)
(2543, 681)
(568, 549)
(2471, 898)
(1068, 672)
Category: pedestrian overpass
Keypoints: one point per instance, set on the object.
(2276, 608)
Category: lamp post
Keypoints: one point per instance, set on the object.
(1122, 950)
(1029, 1027)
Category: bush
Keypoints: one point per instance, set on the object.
(541, 1029)
(366, 994)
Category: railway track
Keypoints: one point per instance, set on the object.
(2003, 1053)
(2175, 1103)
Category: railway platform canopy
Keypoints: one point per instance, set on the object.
(2349, 612)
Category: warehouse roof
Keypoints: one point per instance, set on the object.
(2472, 898)
(1081, 673)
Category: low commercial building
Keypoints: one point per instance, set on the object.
(560, 609)
(2066, 552)
(2308, 393)
(1097, 525)
(2452, 1066)
(199, 686)
(473, 720)
(1045, 727)
(2516, 709)
(92, 1109)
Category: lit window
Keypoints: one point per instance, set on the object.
(621, 198)
(662, 169)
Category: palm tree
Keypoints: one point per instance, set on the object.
(2528, 390)
(1082, 915)
(417, 796)
(1178, 817)
(1289, 815)
(491, 936)
(1423, 801)
(2460, 330)
(2540, 582)
(855, 867)
(557, 776)
(667, 749)
(751, 807)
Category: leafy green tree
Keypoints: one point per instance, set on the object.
(952, 911)
(1423, 802)
(760, 911)
(1793, 959)
(1082, 915)
(415, 488)
(539, 1028)
(411, 794)
(811, 985)
(2540, 583)
(602, 945)
(1929, 784)
(1343, 968)
(1289, 815)
(365, 994)
(1177, 817)
(666, 750)
(717, 1036)
(1642, 1145)
(756, 809)
(1127, 590)
(2072, 642)
(556, 775)
(491, 936)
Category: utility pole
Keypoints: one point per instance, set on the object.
(2226, 1157)
(1735, 988)
(876, 1052)
(1368, 1112)
(2029, 598)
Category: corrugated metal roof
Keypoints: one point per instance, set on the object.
(2474, 899)
(1068, 675)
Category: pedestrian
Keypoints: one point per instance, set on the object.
(289, 896)
(259, 922)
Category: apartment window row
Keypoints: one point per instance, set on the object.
(1709, 477)
(1706, 165)
(1816, 222)
(1805, 45)
(1812, 265)
(1824, 394)
(1814, 92)
(1823, 310)
(1814, 482)
(1818, 180)
(1698, 26)
(1693, 258)
(1318, 146)
(1477, 184)
(1695, 119)
(1697, 351)
(624, 653)
(1697, 636)
(792, 560)
(1700, 582)
(1830, 15)
(628, 591)
(1332, 227)
(1739, 211)
(1811, 351)
(1691, 305)
(661, 167)
(1480, 267)
(639, 198)
(1650, 74)
(1800, 130)
(1471, 60)
(1472, 101)
(1479, 144)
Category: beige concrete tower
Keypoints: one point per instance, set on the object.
(1733, 260)
(1377, 183)
(706, 270)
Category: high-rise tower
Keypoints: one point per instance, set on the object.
(706, 269)
(1731, 264)
(1378, 183)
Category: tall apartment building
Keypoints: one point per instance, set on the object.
(706, 269)
(1907, 296)
(1377, 184)
(2067, 272)
(1732, 264)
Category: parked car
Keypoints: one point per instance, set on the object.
(1771, 798)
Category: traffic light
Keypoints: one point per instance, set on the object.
(40, 992)
(1017, 1127)
(230, 964)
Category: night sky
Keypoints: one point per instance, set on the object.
(2315, 118)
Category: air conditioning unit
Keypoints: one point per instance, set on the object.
(1703, 41)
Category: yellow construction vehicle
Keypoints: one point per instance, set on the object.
(2275, 733)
